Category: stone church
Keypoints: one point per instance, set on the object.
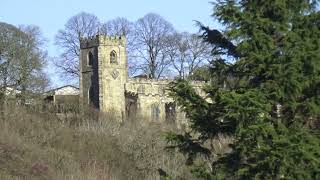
(105, 84)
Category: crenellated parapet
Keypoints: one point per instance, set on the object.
(147, 87)
(102, 40)
(151, 87)
(89, 42)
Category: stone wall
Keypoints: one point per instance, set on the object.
(89, 77)
(154, 102)
(114, 92)
(152, 97)
(107, 75)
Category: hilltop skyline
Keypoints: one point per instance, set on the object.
(51, 16)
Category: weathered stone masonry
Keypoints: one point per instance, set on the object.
(104, 83)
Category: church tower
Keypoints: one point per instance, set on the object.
(103, 73)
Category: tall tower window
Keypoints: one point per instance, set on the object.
(90, 95)
(90, 59)
(113, 57)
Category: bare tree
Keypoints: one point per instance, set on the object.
(22, 59)
(200, 52)
(79, 26)
(151, 34)
(117, 27)
(33, 60)
(123, 27)
(187, 53)
(177, 50)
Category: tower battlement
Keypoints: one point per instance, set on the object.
(101, 39)
(103, 75)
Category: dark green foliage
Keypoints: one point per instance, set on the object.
(200, 74)
(268, 100)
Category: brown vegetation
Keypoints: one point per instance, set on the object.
(36, 145)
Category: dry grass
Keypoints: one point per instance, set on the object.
(88, 146)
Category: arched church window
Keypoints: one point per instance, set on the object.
(113, 57)
(155, 111)
(90, 59)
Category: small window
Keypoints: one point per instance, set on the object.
(113, 57)
(90, 59)
(170, 109)
(141, 89)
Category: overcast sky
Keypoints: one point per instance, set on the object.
(51, 15)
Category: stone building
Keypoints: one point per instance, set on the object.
(104, 83)
(63, 95)
(63, 99)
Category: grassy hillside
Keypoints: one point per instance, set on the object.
(37, 145)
